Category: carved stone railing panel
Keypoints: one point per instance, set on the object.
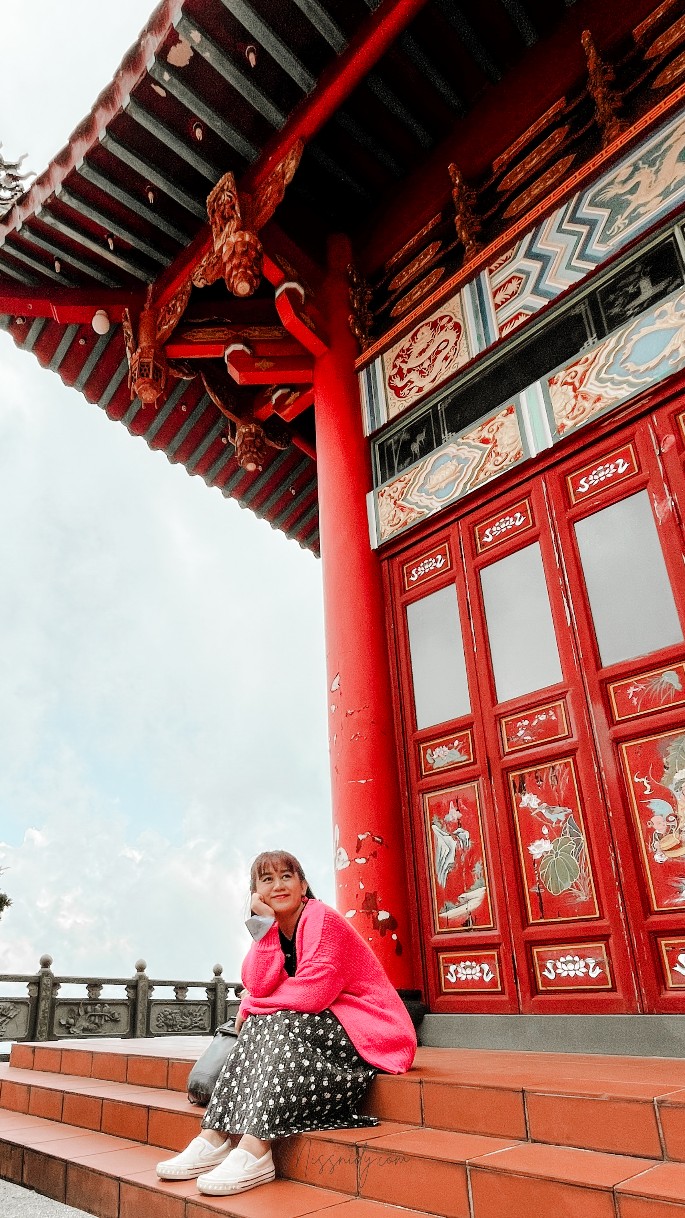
(180, 1018)
(177, 1009)
(15, 1018)
(79, 1018)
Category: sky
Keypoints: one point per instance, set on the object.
(162, 685)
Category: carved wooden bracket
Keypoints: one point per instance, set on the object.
(467, 222)
(600, 86)
(148, 370)
(361, 318)
(235, 219)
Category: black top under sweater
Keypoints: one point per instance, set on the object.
(289, 953)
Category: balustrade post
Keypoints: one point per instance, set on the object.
(139, 992)
(216, 993)
(45, 990)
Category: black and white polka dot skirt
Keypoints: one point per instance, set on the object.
(290, 1073)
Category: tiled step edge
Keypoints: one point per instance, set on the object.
(113, 1178)
(419, 1171)
(642, 1124)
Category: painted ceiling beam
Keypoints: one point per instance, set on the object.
(272, 44)
(65, 257)
(215, 431)
(101, 248)
(290, 508)
(109, 224)
(414, 51)
(93, 360)
(191, 422)
(152, 175)
(138, 205)
(164, 411)
(169, 138)
(335, 85)
(62, 348)
(323, 24)
(362, 137)
(15, 273)
(41, 267)
(521, 20)
(281, 490)
(213, 54)
(169, 80)
(211, 475)
(453, 13)
(68, 306)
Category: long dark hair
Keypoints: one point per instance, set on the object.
(281, 859)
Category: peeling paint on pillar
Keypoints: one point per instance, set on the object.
(370, 853)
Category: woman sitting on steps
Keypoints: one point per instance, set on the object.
(320, 1018)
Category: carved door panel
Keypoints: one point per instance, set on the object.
(620, 530)
(568, 927)
(462, 902)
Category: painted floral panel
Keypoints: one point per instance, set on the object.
(654, 770)
(426, 356)
(572, 966)
(555, 861)
(469, 972)
(459, 876)
(651, 691)
(673, 958)
(446, 752)
(536, 726)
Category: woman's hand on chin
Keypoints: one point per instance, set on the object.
(260, 907)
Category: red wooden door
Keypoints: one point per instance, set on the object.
(621, 537)
(547, 768)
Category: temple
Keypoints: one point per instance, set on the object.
(407, 280)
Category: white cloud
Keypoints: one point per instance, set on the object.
(162, 697)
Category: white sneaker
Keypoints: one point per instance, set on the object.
(198, 1156)
(238, 1172)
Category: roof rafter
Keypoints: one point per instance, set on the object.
(335, 85)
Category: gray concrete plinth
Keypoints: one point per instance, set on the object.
(626, 1035)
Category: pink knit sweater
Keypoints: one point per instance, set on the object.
(336, 971)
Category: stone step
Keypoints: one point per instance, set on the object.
(633, 1106)
(408, 1173)
(464, 1135)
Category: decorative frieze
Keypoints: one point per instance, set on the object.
(645, 186)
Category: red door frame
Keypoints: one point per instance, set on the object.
(669, 425)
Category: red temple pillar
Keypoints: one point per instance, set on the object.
(371, 862)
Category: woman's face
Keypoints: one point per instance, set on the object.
(282, 890)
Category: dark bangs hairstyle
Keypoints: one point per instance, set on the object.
(281, 859)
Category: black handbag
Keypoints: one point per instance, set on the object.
(205, 1072)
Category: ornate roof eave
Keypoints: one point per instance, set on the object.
(110, 102)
